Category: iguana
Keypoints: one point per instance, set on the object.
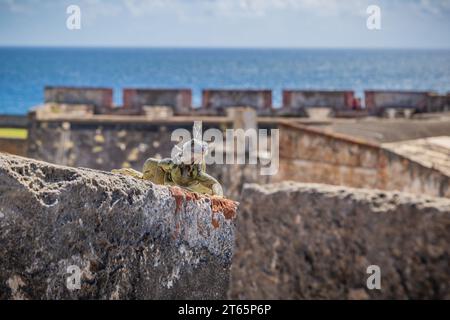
(187, 170)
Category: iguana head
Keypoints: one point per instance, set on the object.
(193, 152)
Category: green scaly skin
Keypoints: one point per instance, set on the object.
(192, 177)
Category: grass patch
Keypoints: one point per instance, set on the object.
(13, 133)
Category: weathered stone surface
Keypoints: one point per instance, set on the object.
(130, 238)
(304, 241)
(316, 156)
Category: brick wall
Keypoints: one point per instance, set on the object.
(222, 99)
(299, 99)
(380, 100)
(309, 155)
(179, 99)
(101, 98)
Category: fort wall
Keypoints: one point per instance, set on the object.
(178, 99)
(101, 98)
(313, 241)
(295, 101)
(219, 100)
(127, 238)
(216, 101)
(310, 155)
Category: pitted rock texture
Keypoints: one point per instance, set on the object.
(129, 238)
(312, 241)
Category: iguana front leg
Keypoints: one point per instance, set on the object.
(204, 183)
(154, 170)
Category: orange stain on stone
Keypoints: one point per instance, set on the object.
(178, 195)
(225, 206)
(215, 223)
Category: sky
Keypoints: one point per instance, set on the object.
(227, 23)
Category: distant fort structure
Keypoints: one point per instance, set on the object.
(215, 102)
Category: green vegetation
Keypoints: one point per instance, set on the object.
(14, 133)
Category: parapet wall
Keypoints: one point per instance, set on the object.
(215, 102)
(310, 155)
(222, 99)
(106, 143)
(309, 241)
(178, 99)
(296, 100)
(380, 100)
(128, 239)
(101, 98)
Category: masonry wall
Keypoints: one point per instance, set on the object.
(101, 98)
(222, 99)
(310, 241)
(300, 99)
(128, 238)
(308, 155)
(179, 99)
(438, 103)
(379, 100)
(104, 145)
(13, 146)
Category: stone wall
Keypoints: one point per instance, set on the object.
(13, 146)
(311, 155)
(215, 101)
(295, 101)
(179, 99)
(109, 144)
(101, 98)
(308, 241)
(221, 99)
(438, 103)
(129, 239)
(380, 100)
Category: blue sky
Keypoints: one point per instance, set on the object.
(226, 23)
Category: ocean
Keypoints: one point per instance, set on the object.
(25, 71)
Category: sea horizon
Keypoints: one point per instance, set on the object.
(3, 46)
(26, 70)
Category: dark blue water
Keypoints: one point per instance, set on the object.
(25, 71)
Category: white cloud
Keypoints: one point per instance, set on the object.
(142, 7)
(231, 8)
(19, 6)
(436, 7)
(239, 8)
